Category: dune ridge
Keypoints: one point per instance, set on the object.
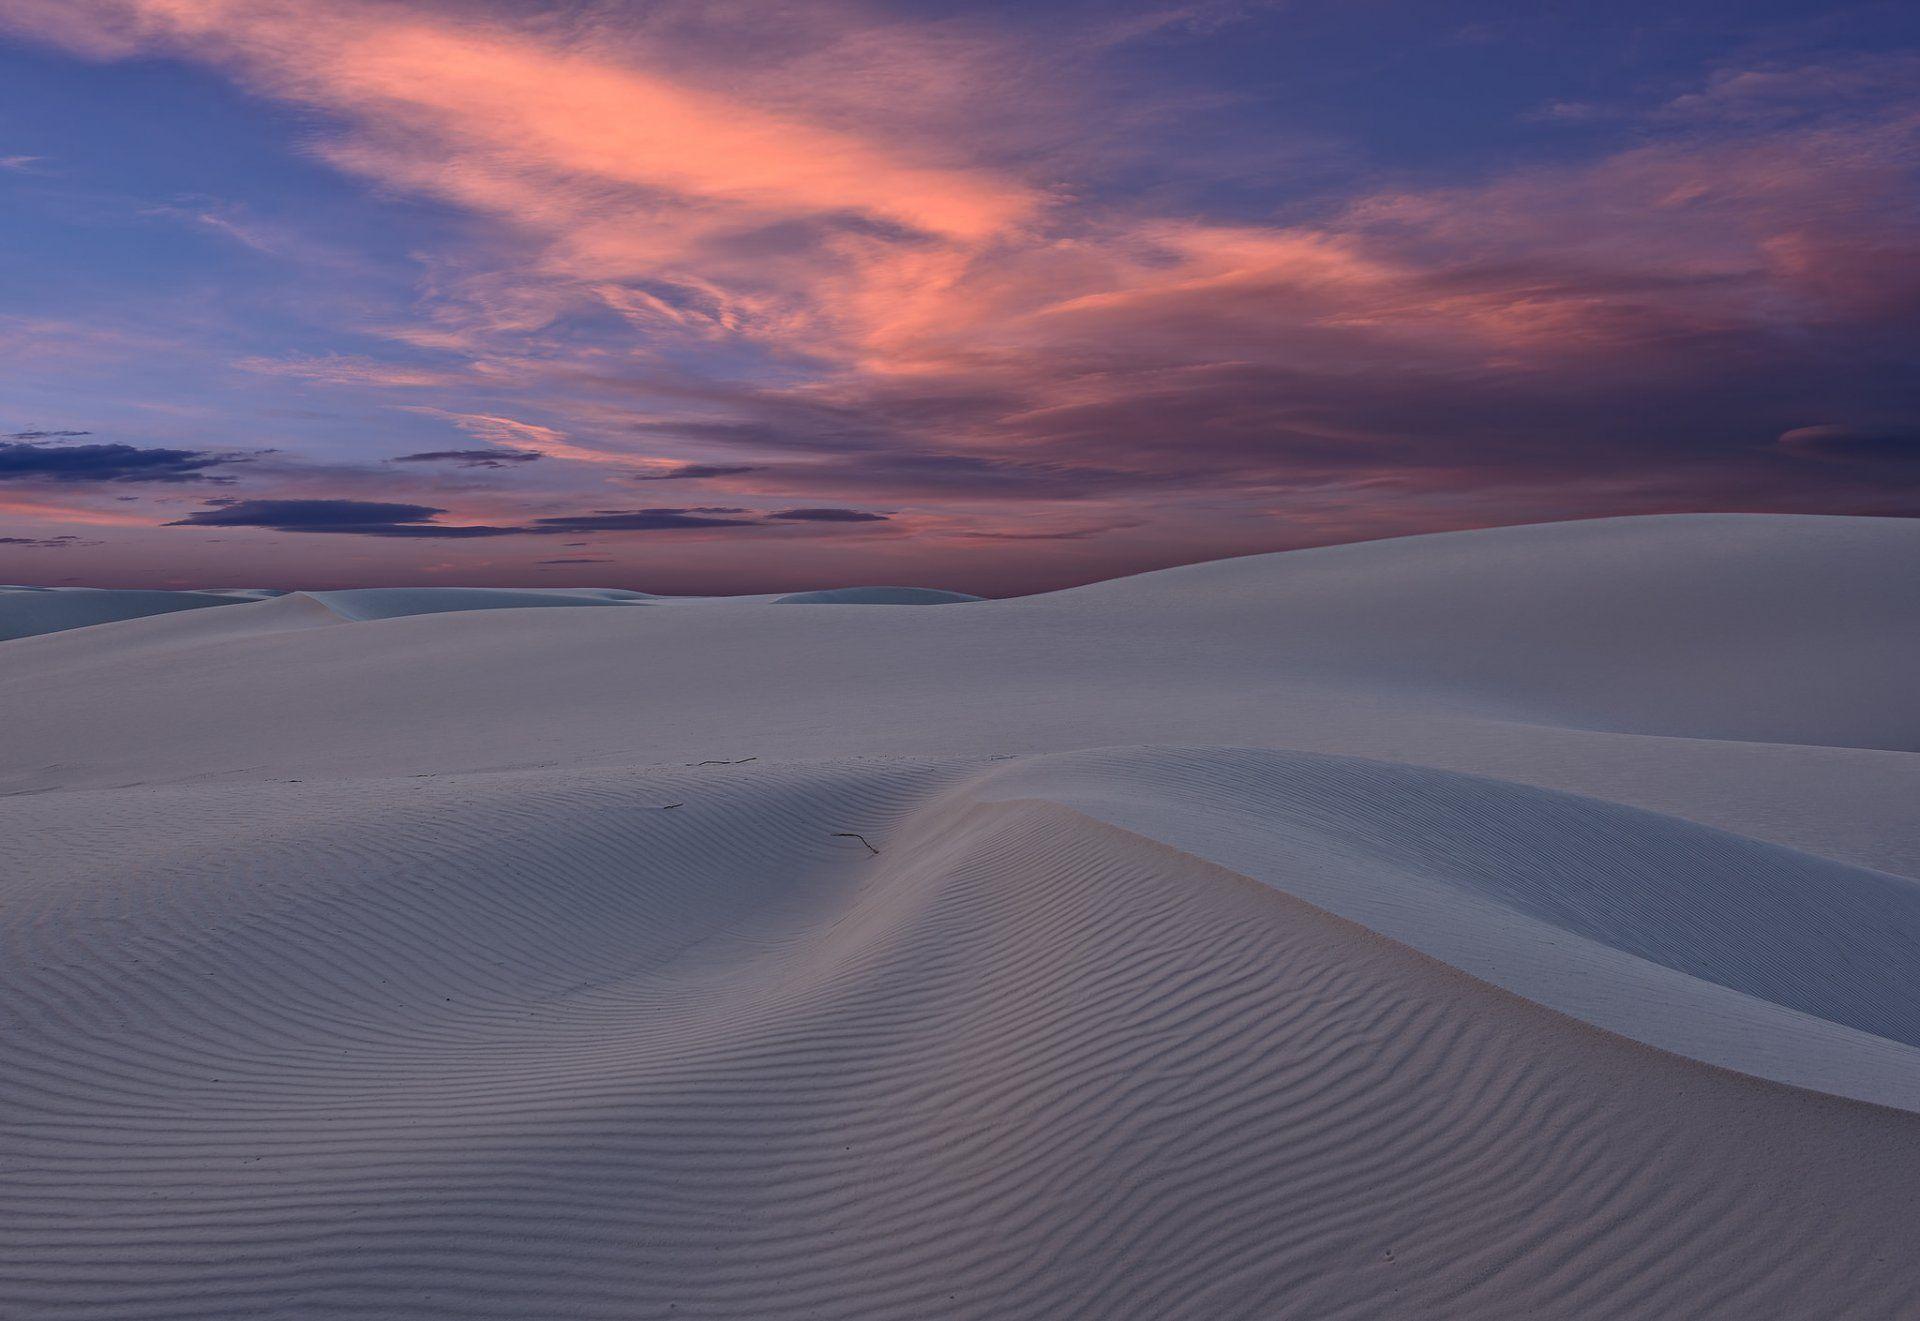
(32, 611)
(1146, 950)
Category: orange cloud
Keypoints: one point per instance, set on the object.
(487, 113)
(662, 200)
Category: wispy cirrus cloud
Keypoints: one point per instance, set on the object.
(1874, 447)
(517, 437)
(352, 370)
(44, 543)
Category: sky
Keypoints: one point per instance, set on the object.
(719, 296)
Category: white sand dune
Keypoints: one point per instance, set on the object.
(30, 611)
(1502, 924)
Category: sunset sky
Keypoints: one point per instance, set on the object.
(725, 296)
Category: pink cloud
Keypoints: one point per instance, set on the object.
(344, 369)
(38, 509)
(510, 433)
(702, 211)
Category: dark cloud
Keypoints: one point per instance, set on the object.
(378, 518)
(1626, 417)
(829, 516)
(43, 435)
(696, 471)
(29, 460)
(43, 543)
(641, 520)
(486, 458)
(375, 518)
(580, 559)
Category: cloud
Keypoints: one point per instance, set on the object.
(696, 472)
(379, 518)
(1570, 112)
(642, 520)
(1775, 93)
(42, 435)
(829, 516)
(518, 436)
(491, 458)
(351, 370)
(739, 257)
(1894, 445)
(374, 518)
(815, 183)
(31, 461)
(579, 559)
(43, 543)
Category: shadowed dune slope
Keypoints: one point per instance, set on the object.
(28, 611)
(395, 602)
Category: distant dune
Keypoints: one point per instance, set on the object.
(29, 611)
(26, 611)
(1518, 923)
(876, 596)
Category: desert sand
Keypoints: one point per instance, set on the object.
(1510, 923)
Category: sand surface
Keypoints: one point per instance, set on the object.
(1518, 923)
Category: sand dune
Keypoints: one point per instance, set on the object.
(1502, 924)
(27, 611)
(30, 611)
(1782, 964)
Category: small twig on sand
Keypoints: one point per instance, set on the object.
(848, 834)
(670, 806)
(741, 762)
